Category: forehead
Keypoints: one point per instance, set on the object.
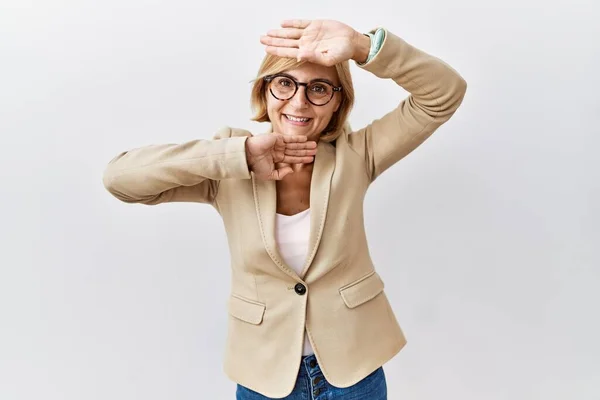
(309, 71)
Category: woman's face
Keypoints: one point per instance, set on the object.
(297, 116)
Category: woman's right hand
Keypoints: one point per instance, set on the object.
(264, 152)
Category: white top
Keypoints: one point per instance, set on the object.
(292, 234)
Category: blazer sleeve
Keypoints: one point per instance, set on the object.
(187, 172)
(436, 91)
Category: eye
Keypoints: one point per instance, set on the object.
(285, 82)
(319, 88)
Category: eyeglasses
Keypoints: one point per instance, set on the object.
(318, 92)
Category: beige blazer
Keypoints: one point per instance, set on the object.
(339, 297)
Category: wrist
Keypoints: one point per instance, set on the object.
(362, 46)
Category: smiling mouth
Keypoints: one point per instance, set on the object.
(296, 119)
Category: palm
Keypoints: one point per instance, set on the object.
(324, 42)
(264, 152)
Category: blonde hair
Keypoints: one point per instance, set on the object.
(273, 65)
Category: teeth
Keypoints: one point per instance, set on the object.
(296, 119)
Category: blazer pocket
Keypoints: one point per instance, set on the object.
(247, 310)
(362, 290)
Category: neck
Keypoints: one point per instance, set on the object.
(297, 167)
(302, 167)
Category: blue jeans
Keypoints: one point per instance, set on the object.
(311, 385)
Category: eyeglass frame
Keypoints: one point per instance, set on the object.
(269, 79)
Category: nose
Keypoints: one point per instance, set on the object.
(299, 100)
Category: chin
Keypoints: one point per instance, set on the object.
(297, 132)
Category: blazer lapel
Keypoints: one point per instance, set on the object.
(320, 187)
(265, 200)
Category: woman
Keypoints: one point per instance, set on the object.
(308, 316)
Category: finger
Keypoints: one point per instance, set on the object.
(301, 146)
(286, 52)
(286, 33)
(294, 139)
(295, 23)
(307, 55)
(279, 174)
(297, 160)
(301, 153)
(272, 41)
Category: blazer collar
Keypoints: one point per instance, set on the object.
(265, 199)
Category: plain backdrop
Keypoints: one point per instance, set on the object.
(486, 236)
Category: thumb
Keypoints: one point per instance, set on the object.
(305, 55)
(279, 174)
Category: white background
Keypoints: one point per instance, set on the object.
(486, 236)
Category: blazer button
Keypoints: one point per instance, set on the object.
(300, 289)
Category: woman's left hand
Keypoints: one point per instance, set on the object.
(322, 42)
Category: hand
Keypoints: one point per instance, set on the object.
(264, 152)
(322, 42)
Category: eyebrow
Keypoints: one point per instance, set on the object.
(311, 81)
